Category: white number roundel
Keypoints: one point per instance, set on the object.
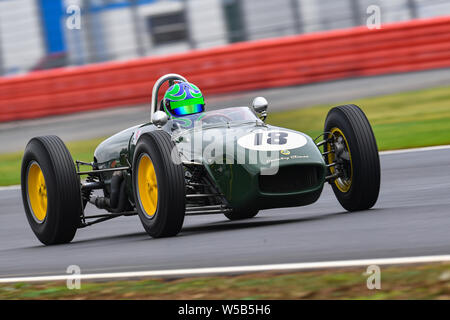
(272, 140)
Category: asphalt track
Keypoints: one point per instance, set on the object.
(102, 123)
(411, 218)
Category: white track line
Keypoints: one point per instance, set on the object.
(17, 187)
(233, 270)
(415, 150)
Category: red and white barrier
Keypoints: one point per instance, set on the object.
(400, 47)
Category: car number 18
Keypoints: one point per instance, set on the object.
(272, 140)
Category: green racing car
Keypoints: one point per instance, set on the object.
(188, 161)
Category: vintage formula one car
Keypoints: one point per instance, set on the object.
(226, 161)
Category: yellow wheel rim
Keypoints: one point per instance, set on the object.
(37, 192)
(342, 184)
(147, 185)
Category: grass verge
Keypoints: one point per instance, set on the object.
(403, 120)
(431, 281)
(10, 163)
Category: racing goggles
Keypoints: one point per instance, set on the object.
(186, 107)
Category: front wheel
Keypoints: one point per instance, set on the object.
(352, 154)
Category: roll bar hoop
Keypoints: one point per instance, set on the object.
(168, 77)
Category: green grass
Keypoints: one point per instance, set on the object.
(10, 163)
(397, 282)
(404, 120)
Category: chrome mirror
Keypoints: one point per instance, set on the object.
(260, 106)
(159, 118)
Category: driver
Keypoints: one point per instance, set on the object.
(182, 99)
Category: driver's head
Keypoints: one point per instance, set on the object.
(182, 99)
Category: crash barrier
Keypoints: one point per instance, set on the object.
(400, 47)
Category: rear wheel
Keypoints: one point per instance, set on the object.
(241, 214)
(353, 150)
(158, 185)
(51, 190)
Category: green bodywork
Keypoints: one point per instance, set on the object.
(236, 172)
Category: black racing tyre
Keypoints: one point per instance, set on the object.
(241, 214)
(353, 147)
(158, 185)
(51, 190)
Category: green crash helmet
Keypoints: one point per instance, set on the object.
(182, 99)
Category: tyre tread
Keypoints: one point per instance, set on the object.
(65, 202)
(365, 187)
(173, 197)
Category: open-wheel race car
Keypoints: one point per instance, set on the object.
(187, 161)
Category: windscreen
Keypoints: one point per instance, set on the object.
(216, 117)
